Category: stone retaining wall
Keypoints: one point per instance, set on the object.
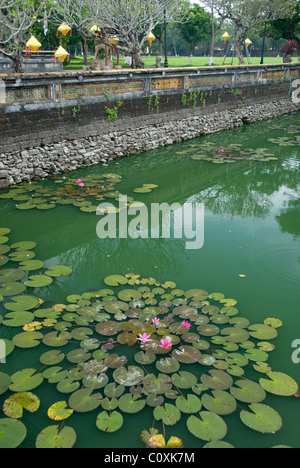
(69, 155)
(42, 138)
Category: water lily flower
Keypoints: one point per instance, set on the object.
(230, 156)
(78, 181)
(222, 150)
(155, 321)
(144, 338)
(165, 343)
(185, 325)
(81, 185)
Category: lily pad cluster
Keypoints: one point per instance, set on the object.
(137, 342)
(230, 154)
(286, 141)
(85, 194)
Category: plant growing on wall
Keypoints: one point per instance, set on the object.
(112, 114)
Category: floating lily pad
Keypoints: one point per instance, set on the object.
(128, 377)
(131, 403)
(59, 411)
(23, 302)
(84, 400)
(217, 380)
(186, 354)
(168, 413)
(168, 365)
(11, 288)
(58, 271)
(56, 437)
(28, 340)
(38, 281)
(220, 402)
(262, 418)
(208, 426)
(32, 265)
(12, 433)
(190, 404)
(157, 385)
(109, 422)
(18, 319)
(248, 391)
(115, 280)
(279, 384)
(25, 380)
(262, 332)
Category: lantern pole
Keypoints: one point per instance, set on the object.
(263, 46)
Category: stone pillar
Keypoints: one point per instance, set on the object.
(2, 92)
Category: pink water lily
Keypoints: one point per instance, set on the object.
(78, 181)
(144, 338)
(185, 324)
(165, 343)
(222, 150)
(81, 185)
(156, 321)
(230, 156)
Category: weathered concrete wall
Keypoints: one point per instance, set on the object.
(52, 123)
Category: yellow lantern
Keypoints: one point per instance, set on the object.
(114, 40)
(95, 30)
(32, 45)
(61, 54)
(225, 37)
(64, 29)
(248, 42)
(151, 38)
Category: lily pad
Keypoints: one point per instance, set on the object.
(38, 281)
(109, 422)
(208, 426)
(84, 400)
(56, 437)
(168, 413)
(190, 404)
(12, 433)
(262, 418)
(248, 391)
(25, 380)
(219, 402)
(128, 377)
(59, 411)
(58, 271)
(11, 288)
(131, 403)
(279, 384)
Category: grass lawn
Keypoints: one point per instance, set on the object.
(76, 63)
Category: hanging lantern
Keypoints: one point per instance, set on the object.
(225, 37)
(151, 38)
(64, 29)
(114, 40)
(248, 42)
(61, 54)
(95, 30)
(32, 45)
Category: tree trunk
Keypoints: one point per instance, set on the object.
(18, 63)
(213, 35)
(85, 52)
(137, 61)
(238, 43)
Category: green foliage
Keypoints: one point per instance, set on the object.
(112, 114)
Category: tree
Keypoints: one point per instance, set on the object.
(133, 20)
(197, 28)
(249, 14)
(16, 19)
(287, 28)
(216, 26)
(78, 14)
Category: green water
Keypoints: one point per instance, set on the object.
(252, 228)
